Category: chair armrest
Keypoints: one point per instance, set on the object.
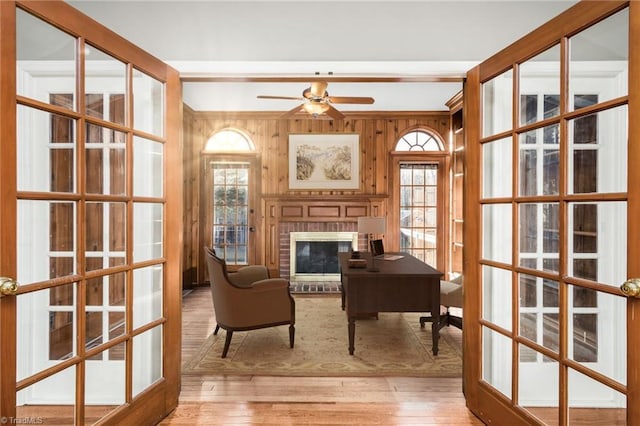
(247, 275)
(270, 284)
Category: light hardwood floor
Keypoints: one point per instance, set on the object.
(261, 400)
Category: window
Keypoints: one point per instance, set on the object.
(419, 140)
(418, 210)
(229, 140)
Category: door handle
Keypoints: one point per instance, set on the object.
(8, 286)
(631, 287)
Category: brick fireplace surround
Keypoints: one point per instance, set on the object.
(330, 213)
(284, 244)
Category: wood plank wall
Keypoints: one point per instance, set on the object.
(378, 132)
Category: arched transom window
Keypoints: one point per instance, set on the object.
(229, 140)
(419, 140)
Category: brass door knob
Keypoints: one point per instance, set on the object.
(631, 287)
(8, 286)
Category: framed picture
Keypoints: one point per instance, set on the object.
(324, 161)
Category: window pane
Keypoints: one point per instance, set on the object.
(104, 74)
(228, 141)
(419, 141)
(587, 395)
(148, 166)
(104, 399)
(147, 231)
(597, 66)
(105, 236)
(542, 399)
(105, 160)
(497, 104)
(597, 241)
(497, 361)
(539, 161)
(35, 61)
(497, 168)
(598, 152)
(147, 295)
(539, 235)
(29, 401)
(496, 231)
(46, 146)
(148, 104)
(496, 296)
(539, 86)
(598, 331)
(52, 256)
(147, 359)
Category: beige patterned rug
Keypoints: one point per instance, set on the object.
(393, 345)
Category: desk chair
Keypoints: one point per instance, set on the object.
(450, 297)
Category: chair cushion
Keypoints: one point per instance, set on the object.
(247, 275)
(451, 294)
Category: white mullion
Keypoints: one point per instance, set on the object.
(105, 312)
(106, 232)
(106, 160)
(539, 312)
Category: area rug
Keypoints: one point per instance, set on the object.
(392, 345)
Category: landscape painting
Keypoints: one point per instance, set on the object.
(324, 161)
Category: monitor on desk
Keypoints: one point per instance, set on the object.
(377, 251)
(377, 248)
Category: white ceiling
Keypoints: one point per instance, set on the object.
(357, 38)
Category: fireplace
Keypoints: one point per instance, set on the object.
(314, 255)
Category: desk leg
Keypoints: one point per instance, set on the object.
(352, 332)
(435, 329)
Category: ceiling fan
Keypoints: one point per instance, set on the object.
(317, 101)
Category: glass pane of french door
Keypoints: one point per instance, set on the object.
(554, 230)
(230, 227)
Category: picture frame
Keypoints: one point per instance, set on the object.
(324, 161)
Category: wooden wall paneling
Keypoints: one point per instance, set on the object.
(381, 150)
(282, 147)
(380, 140)
(378, 136)
(201, 134)
(191, 202)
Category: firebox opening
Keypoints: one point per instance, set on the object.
(314, 255)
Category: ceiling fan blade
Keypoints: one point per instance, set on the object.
(334, 113)
(295, 98)
(318, 89)
(292, 112)
(350, 100)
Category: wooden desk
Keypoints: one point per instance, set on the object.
(403, 285)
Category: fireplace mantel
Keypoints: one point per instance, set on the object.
(305, 213)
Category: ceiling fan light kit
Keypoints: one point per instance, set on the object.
(317, 101)
(316, 108)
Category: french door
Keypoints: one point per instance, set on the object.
(91, 196)
(551, 198)
(419, 187)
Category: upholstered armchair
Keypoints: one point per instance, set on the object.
(242, 304)
(451, 296)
